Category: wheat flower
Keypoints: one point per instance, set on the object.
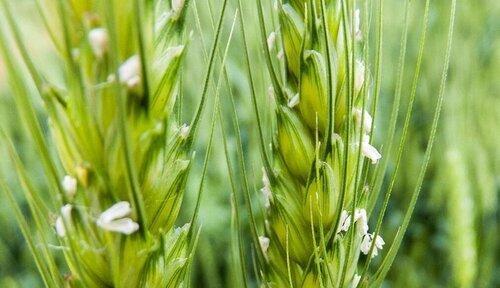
(99, 41)
(129, 72)
(184, 131)
(363, 115)
(361, 220)
(264, 243)
(114, 219)
(366, 244)
(266, 190)
(345, 221)
(69, 185)
(65, 217)
(369, 151)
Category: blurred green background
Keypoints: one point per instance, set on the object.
(452, 240)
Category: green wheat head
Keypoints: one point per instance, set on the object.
(321, 174)
(314, 189)
(114, 123)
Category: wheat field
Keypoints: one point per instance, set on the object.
(236, 143)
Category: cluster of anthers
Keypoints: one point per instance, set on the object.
(114, 219)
